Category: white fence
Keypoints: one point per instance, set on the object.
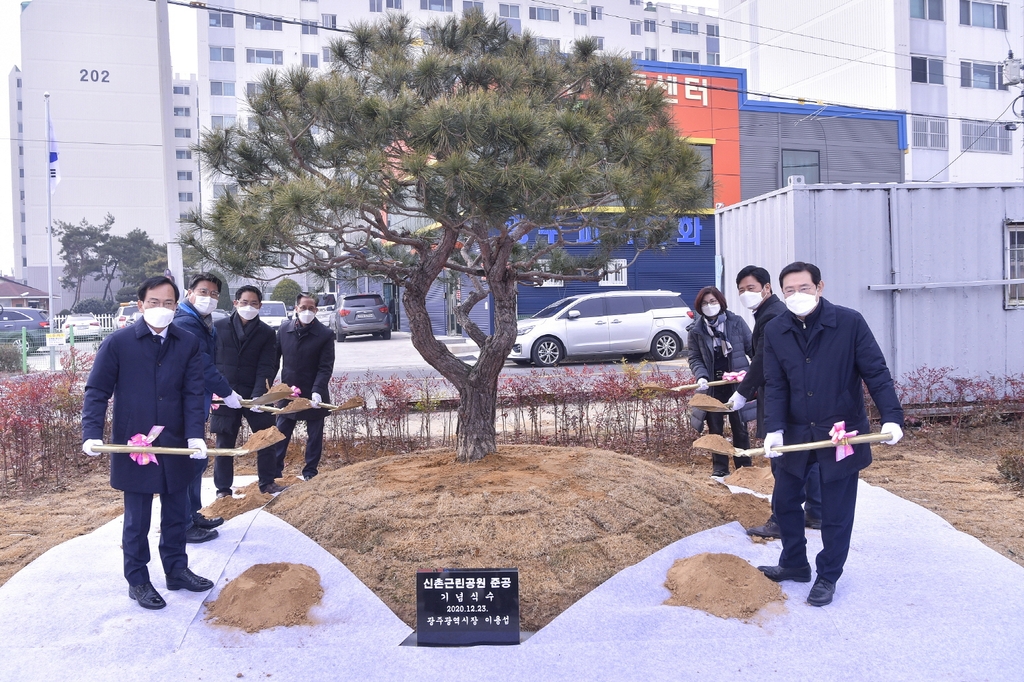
(107, 322)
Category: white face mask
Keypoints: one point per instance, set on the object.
(801, 304)
(204, 305)
(247, 312)
(158, 318)
(306, 316)
(711, 309)
(751, 299)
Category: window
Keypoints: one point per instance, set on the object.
(220, 189)
(625, 305)
(222, 88)
(309, 28)
(253, 89)
(713, 30)
(184, 196)
(436, 5)
(376, 5)
(926, 70)
(183, 216)
(329, 20)
(545, 266)
(686, 57)
(651, 54)
(222, 20)
(510, 13)
(615, 273)
(984, 76)
(1014, 264)
(222, 121)
(184, 175)
(984, 14)
(926, 9)
(183, 132)
(311, 61)
(684, 27)
(634, 28)
(543, 14)
(930, 133)
(636, 2)
(180, 90)
(600, 41)
(650, 26)
(985, 136)
(264, 56)
(183, 153)
(591, 307)
(549, 45)
(252, 124)
(182, 111)
(714, 59)
(328, 56)
(579, 18)
(800, 162)
(636, 55)
(468, 5)
(222, 54)
(262, 23)
(596, 13)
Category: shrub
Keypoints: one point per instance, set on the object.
(95, 306)
(1011, 467)
(127, 294)
(286, 290)
(10, 358)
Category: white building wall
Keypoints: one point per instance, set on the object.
(17, 172)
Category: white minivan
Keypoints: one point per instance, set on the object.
(619, 323)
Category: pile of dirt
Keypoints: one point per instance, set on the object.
(267, 596)
(567, 518)
(245, 499)
(749, 510)
(723, 585)
(758, 479)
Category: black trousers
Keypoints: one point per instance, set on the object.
(314, 445)
(812, 488)
(224, 467)
(194, 489)
(138, 513)
(839, 501)
(716, 420)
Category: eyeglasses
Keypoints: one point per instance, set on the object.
(157, 303)
(803, 289)
(206, 292)
(251, 304)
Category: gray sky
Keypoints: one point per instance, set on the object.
(183, 61)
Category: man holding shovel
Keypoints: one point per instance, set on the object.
(816, 357)
(154, 373)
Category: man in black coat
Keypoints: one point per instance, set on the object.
(154, 373)
(247, 358)
(816, 357)
(306, 348)
(755, 289)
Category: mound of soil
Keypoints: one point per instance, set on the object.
(245, 499)
(749, 510)
(723, 585)
(266, 596)
(567, 518)
(758, 479)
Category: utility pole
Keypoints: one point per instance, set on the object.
(49, 220)
(1012, 76)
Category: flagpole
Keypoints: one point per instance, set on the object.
(49, 221)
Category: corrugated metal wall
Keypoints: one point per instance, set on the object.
(942, 233)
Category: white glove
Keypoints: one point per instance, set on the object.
(234, 401)
(87, 447)
(737, 401)
(702, 384)
(256, 408)
(197, 444)
(315, 399)
(773, 440)
(896, 432)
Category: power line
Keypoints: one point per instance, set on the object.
(977, 139)
(258, 15)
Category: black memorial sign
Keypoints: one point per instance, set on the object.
(466, 607)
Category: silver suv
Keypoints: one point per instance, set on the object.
(620, 323)
(361, 314)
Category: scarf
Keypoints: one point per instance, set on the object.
(717, 331)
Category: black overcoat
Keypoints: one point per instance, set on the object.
(152, 384)
(307, 361)
(814, 382)
(753, 383)
(248, 364)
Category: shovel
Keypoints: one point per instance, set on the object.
(273, 394)
(256, 441)
(301, 404)
(719, 447)
(687, 387)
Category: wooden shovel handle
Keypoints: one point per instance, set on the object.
(686, 387)
(212, 452)
(818, 444)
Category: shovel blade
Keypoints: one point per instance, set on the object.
(262, 439)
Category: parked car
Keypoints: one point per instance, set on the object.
(323, 313)
(273, 313)
(617, 324)
(361, 314)
(126, 315)
(85, 326)
(13, 320)
(219, 314)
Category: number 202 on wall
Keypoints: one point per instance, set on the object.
(94, 76)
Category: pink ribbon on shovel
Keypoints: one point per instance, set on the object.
(296, 391)
(215, 405)
(144, 458)
(839, 435)
(734, 376)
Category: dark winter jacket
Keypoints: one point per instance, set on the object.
(152, 384)
(188, 319)
(753, 384)
(813, 380)
(307, 361)
(700, 347)
(248, 363)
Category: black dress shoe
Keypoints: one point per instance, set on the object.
(821, 592)
(223, 493)
(206, 523)
(147, 596)
(812, 523)
(272, 488)
(768, 530)
(779, 573)
(195, 534)
(185, 579)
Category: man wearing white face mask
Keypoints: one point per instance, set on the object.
(306, 348)
(817, 356)
(193, 316)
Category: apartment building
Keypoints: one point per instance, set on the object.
(938, 60)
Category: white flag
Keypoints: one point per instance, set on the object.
(54, 166)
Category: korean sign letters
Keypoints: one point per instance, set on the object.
(456, 607)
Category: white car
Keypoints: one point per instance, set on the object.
(274, 313)
(85, 326)
(615, 324)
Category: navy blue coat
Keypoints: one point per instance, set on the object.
(249, 364)
(187, 318)
(753, 383)
(152, 384)
(815, 382)
(307, 361)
